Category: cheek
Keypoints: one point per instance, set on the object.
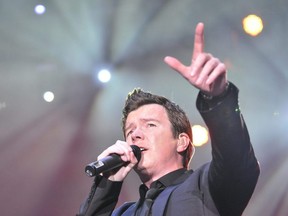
(161, 142)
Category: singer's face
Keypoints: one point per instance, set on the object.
(149, 128)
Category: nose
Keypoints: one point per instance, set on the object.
(137, 134)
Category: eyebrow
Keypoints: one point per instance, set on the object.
(142, 120)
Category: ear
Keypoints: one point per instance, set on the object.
(183, 142)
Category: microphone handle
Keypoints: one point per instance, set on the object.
(109, 163)
(104, 165)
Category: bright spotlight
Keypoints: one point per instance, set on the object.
(48, 96)
(39, 9)
(104, 75)
(200, 135)
(252, 25)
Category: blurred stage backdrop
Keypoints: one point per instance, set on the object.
(56, 116)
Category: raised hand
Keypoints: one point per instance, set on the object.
(206, 72)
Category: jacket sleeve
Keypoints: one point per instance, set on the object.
(234, 169)
(102, 198)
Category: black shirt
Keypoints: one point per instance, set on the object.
(158, 186)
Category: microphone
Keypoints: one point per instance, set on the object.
(109, 163)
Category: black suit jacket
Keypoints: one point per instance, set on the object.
(222, 187)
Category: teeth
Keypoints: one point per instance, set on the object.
(142, 149)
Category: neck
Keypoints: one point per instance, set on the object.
(147, 178)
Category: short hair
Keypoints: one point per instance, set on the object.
(177, 117)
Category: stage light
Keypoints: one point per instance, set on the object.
(39, 9)
(48, 96)
(200, 135)
(104, 75)
(252, 25)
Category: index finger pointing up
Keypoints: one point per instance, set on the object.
(198, 41)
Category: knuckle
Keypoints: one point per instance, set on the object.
(222, 66)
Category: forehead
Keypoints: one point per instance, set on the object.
(148, 111)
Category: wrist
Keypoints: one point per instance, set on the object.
(210, 97)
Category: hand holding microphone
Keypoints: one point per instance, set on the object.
(109, 163)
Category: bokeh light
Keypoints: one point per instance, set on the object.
(39, 9)
(48, 96)
(200, 135)
(104, 75)
(252, 25)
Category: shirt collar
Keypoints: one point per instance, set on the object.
(166, 180)
(174, 177)
(171, 178)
